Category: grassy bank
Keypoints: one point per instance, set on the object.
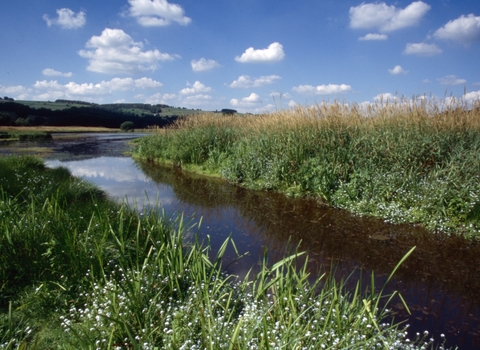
(54, 129)
(78, 271)
(25, 135)
(410, 161)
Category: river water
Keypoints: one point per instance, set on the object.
(440, 281)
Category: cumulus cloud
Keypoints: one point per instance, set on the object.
(244, 81)
(203, 65)
(52, 88)
(397, 70)
(422, 49)
(157, 98)
(49, 72)
(196, 100)
(465, 29)
(157, 13)
(17, 90)
(451, 80)
(196, 88)
(273, 53)
(329, 89)
(114, 52)
(373, 36)
(247, 102)
(472, 96)
(387, 18)
(67, 19)
(385, 97)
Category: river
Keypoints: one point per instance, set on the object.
(440, 281)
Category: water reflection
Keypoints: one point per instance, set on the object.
(440, 281)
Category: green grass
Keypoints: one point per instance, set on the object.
(26, 136)
(78, 271)
(412, 161)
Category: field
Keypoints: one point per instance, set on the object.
(409, 161)
(54, 106)
(81, 272)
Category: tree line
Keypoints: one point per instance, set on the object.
(91, 115)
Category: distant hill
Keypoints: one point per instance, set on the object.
(79, 113)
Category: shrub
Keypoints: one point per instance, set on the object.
(127, 126)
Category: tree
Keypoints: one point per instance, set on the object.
(228, 111)
(5, 118)
(127, 126)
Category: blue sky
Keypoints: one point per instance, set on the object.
(249, 55)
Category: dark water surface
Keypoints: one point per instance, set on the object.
(440, 281)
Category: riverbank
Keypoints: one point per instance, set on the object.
(80, 271)
(407, 162)
(65, 129)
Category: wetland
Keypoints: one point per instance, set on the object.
(439, 281)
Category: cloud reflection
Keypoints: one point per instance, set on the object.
(121, 179)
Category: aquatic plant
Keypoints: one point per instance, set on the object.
(80, 271)
(413, 161)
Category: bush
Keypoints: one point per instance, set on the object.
(127, 126)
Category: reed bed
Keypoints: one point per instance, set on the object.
(79, 271)
(412, 161)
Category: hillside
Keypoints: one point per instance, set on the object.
(80, 113)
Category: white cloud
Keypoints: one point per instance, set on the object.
(48, 89)
(451, 80)
(422, 49)
(387, 18)
(157, 98)
(385, 97)
(50, 85)
(397, 70)
(280, 95)
(247, 102)
(373, 36)
(196, 100)
(53, 73)
(203, 64)
(477, 83)
(465, 29)
(322, 89)
(67, 19)
(282, 99)
(472, 96)
(115, 52)
(196, 88)
(147, 83)
(17, 90)
(156, 13)
(273, 53)
(244, 81)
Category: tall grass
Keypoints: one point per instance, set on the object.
(408, 161)
(81, 272)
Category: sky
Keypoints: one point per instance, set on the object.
(250, 55)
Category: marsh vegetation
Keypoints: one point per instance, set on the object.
(80, 271)
(407, 161)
